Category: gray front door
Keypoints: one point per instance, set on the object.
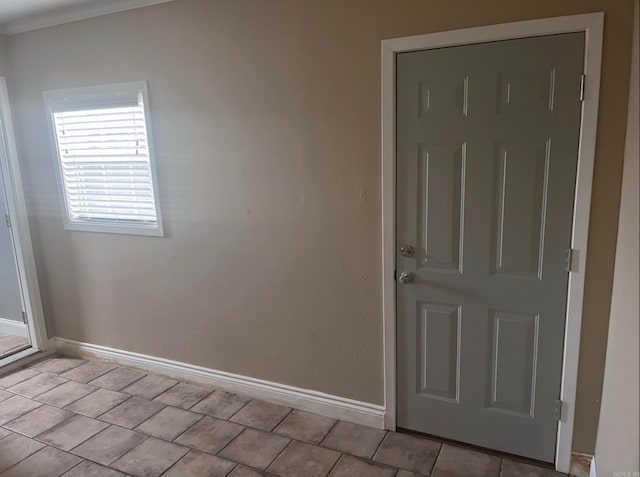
(487, 150)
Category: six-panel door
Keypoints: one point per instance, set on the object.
(487, 147)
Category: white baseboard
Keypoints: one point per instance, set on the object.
(582, 465)
(11, 327)
(304, 399)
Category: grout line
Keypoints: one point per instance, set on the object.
(77, 465)
(291, 441)
(229, 443)
(280, 421)
(335, 464)
(24, 458)
(238, 411)
(319, 444)
(435, 461)
(183, 432)
(378, 446)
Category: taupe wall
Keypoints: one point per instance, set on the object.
(267, 130)
(618, 445)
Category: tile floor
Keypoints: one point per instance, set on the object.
(73, 417)
(12, 343)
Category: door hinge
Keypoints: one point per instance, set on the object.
(583, 79)
(559, 410)
(7, 220)
(570, 259)
(24, 316)
(395, 275)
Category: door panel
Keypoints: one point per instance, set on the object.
(10, 296)
(487, 145)
(440, 206)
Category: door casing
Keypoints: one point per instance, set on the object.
(20, 230)
(592, 25)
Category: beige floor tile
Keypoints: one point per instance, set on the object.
(255, 448)
(47, 462)
(408, 452)
(58, 365)
(261, 415)
(97, 403)
(183, 395)
(242, 471)
(39, 420)
(14, 448)
(304, 460)
(65, 394)
(406, 473)
(132, 412)
(12, 343)
(305, 426)
(221, 404)
(15, 407)
(14, 377)
(151, 458)
(117, 379)
(354, 439)
(109, 445)
(4, 433)
(91, 469)
(512, 468)
(37, 385)
(72, 432)
(353, 467)
(88, 371)
(169, 423)
(209, 435)
(149, 387)
(4, 395)
(455, 461)
(198, 464)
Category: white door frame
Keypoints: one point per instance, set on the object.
(592, 25)
(20, 232)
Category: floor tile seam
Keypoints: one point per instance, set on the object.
(69, 404)
(22, 414)
(277, 456)
(335, 464)
(191, 450)
(25, 458)
(155, 395)
(119, 389)
(138, 445)
(49, 358)
(40, 433)
(384, 436)
(136, 425)
(15, 371)
(327, 434)
(200, 418)
(146, 437)
(241, 408)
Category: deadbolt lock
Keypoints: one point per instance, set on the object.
(407, 251)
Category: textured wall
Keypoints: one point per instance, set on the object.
(267, 130)
(618, 445)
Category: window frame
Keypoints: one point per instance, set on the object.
(87, 98)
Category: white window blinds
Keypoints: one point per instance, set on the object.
(105, 162)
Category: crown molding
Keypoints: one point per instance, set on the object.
(73, 14)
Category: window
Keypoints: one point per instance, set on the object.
(105, 158)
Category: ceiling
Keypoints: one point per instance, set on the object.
(12, 10)
(17, 16)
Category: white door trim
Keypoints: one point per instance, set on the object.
(592, 25)
(21, 234)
